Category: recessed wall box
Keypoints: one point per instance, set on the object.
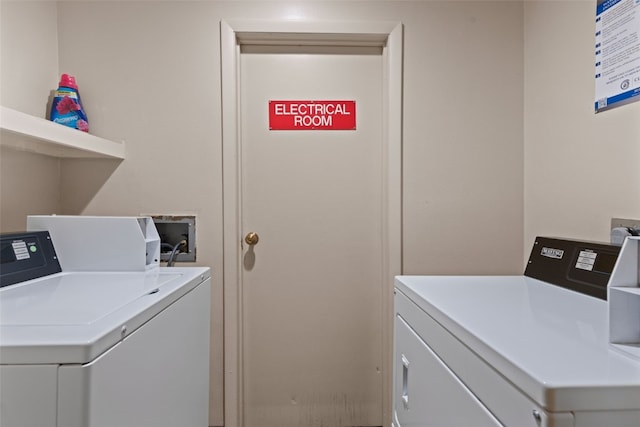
(174, 229)
(622, 228)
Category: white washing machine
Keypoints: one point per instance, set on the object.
(515, 351)
(103, 347)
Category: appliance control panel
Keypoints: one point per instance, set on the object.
(580, 266)
(26, 256)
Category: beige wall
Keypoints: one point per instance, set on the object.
(581, 168)
(500, 139)
(29, 183)
(29, 48)
(462, 181)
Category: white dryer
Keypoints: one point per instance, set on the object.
(101, 348)
(515, 351)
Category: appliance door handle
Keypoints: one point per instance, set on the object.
(405, 382)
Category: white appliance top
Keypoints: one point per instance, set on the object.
(550, 342)
(74, 317)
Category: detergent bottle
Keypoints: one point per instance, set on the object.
(66, 108)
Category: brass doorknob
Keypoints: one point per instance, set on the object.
(251, 238)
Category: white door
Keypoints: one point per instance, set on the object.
(312, 308)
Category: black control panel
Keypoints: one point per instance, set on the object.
(581, 266)
(26, 256)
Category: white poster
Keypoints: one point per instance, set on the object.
(617, 50)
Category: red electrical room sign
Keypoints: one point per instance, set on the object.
(312, 115)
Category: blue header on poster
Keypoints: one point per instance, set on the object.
(606, 4)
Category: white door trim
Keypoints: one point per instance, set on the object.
(233, 34)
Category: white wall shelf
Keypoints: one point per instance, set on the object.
(28, 133)
(624, 299)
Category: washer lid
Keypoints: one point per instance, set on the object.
(74, 317)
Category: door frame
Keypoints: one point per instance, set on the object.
(233, 34)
